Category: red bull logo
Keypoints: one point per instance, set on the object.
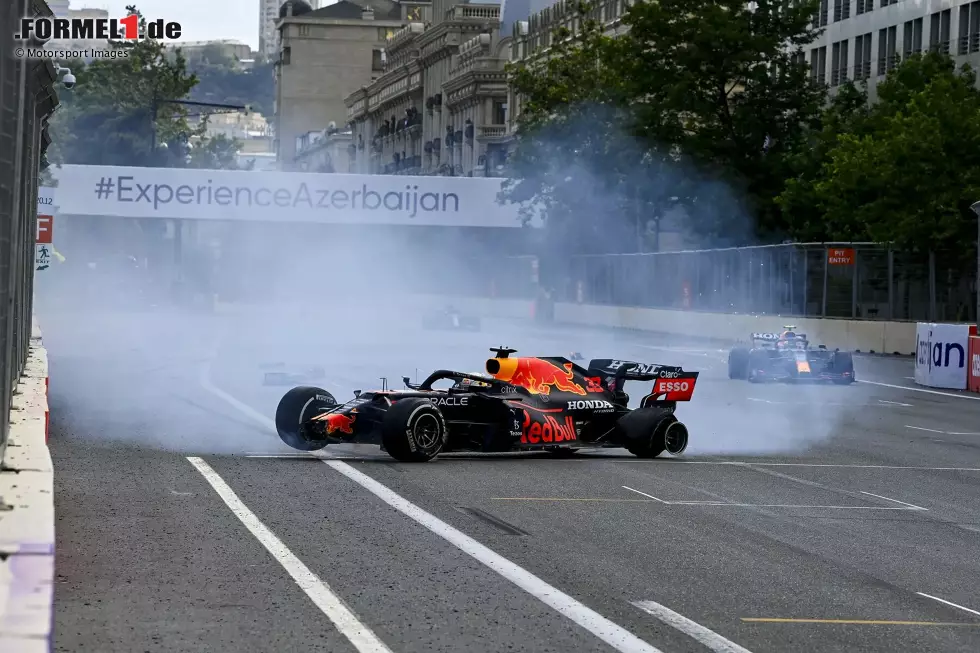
(338, 422)
(547, 431)
(535, 374)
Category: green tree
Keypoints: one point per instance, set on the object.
(215, 153)
(571, 156)
(907, 173)
(722, 83)
(699, 104)
(126, 111)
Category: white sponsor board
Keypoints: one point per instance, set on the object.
(283, 196)
(940, 358)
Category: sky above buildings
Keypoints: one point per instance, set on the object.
(201, 20)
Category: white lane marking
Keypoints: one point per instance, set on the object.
(649, 496)
(912, 506)
(739, 462)
(960, 433)
(920, 428)
(823, 403)
(936, 598)
(708, 638)
(616, 636)
(905, 387)
(362, 638)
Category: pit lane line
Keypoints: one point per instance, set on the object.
(609, 632)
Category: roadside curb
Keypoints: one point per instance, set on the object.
(27, 514)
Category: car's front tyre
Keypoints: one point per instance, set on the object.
(413, 431)
(295, 408)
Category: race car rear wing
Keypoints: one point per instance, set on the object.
(671, 383)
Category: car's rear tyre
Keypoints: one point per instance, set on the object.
(413, 431)
(843, 362)
(738, 363)
(642, 431)
(757, 360)
(295, 408)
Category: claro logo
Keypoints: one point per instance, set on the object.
(936, 353)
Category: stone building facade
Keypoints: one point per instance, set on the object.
(440, 105)
(324, 55)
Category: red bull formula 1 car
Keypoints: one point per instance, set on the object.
(521, 403)
(787, 356)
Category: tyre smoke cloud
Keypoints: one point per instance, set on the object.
(606, 191)
(132, 329)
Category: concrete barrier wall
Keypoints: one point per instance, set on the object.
(877, 336)
(848, 335)
(27, 515)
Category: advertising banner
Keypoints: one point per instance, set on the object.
(46, 210)
(973, 378)
(941, 356)
(283, 196)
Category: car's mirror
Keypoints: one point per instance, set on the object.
(357, 393)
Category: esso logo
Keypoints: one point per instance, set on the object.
(675, 386)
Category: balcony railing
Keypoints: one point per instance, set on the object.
(473, 12)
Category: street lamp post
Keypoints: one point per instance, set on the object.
(976, 209)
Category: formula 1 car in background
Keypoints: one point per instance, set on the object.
(520, 404)
(449, 318)
(787, 356)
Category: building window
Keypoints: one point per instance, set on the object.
(286, 55)
(862, 56)
(377, 63)
(818, 64)
(835, 64)
(887, 58)
(864, 6)
(939, 24)
(304, 30)
(824, 10)
(499, 116)
(844, 61)
(842, 10)
(885, 3)
(969, 37)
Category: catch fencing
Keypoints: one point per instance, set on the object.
(27, 98)
(843, 280)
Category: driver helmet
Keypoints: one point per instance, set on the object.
(473, 383)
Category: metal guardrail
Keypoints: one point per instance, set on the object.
(842, 280)
(27, 98)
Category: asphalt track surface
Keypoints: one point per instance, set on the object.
(802, 518)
